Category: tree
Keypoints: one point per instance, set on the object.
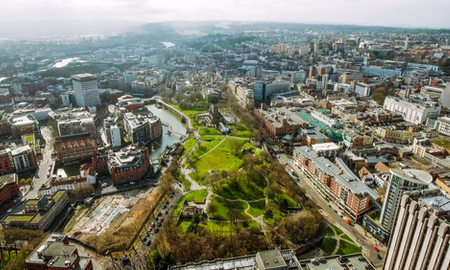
(235, 146)
(301, 226)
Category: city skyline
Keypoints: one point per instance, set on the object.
(384, 13)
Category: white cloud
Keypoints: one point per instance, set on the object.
(381, 12)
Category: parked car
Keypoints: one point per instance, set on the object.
(162, 219)
(104, 185)
(132, 183)
(164, 206)
(167, 201)
(156, 229)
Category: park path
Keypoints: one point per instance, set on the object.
(212, 149)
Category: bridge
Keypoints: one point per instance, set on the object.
(171, 130)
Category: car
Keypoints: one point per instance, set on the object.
(48, 174)
(159, 214)
(159, 224)
(9, 211)
(148, 242)
(153, 224)
(376, 249)
(164, 206)
(92, 194)
(23, 200)
(167, 212)
(156, 229)
(167, 201)
(132, 183)
(161, 219)
(171, 195)
(104, 185)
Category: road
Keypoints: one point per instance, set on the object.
(47, 160)
(356, 233)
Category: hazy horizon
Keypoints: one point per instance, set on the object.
(400, 13)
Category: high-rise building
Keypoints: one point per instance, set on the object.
(416, 112)
(259, 91)
(256, 72)
(116, 140)
(86, 90)
(157, 60)
(401, 181)
(420, 238)
(445, 96)
(406, 42)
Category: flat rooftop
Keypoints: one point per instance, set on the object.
(354, 261)
(6, 179)
(84, 77)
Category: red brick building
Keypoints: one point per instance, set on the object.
(279, 122)
(9, 188)
(128, 164)
(23, 125)
(55, 253)
(5, 162)
(75, 147)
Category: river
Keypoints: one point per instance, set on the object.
(158, 146)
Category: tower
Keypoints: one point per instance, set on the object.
(401, 181)
(406, 42)
(86, 90)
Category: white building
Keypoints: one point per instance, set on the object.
(65, 100)
(401, 181)
(86, 90)
(116, 140)
(445, 96)
(129, 77)
(442, 125)
(420, 239)
(413, 111)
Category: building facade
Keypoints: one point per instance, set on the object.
(9, 188)
(420, 237)
(75, 147)
(401, 181)
(413, 111)
(128, 165)
(86, 90)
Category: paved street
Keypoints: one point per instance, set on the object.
(356, 232)
(41, 174)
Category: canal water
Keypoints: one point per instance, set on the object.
(158, 146)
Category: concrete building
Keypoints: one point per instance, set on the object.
(298, 76)
(355, 139)
(86, 90)
(264, 260)
(442, 125)
(55, 252)
(129, 77)
(413, 111)
(363, 89)
(256, 72)
(420, 237)
(9, 188)
(116, 140)
(39, 213)
(394, 135)
(142, 128)
(401, 181)
(23, 159)
(335, 181)
(445, 96)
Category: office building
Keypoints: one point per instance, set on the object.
(407, 42)
(264, 260)
(279, 121)
(442, 125)
(420, 237)
(298, 76)
(401, 181)
(86, 90)
(23, 159)
(55, 253)
(256, 72)
(445, 96)
(259, 91)
(114, 134)
(416, 112)
(364, 89)
(129, 77)
(39, 213)
(23, 125)
(157, 60)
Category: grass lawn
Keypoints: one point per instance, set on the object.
(328, 245)
(199, 195)
(347, 248)
(241, 188)
(6, 258)
(221, 158)
(338, 231)
(330, 231)
(223, 209)
(188, 146)
(346, 237)
(290, 201)
(189, 113)
(239, 130)
(205, 147)
(257, 208)
(184, 225)
(186, 183)
(216, 227)
(209, 131)
(277, 216)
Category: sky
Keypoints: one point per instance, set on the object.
(407, 13)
